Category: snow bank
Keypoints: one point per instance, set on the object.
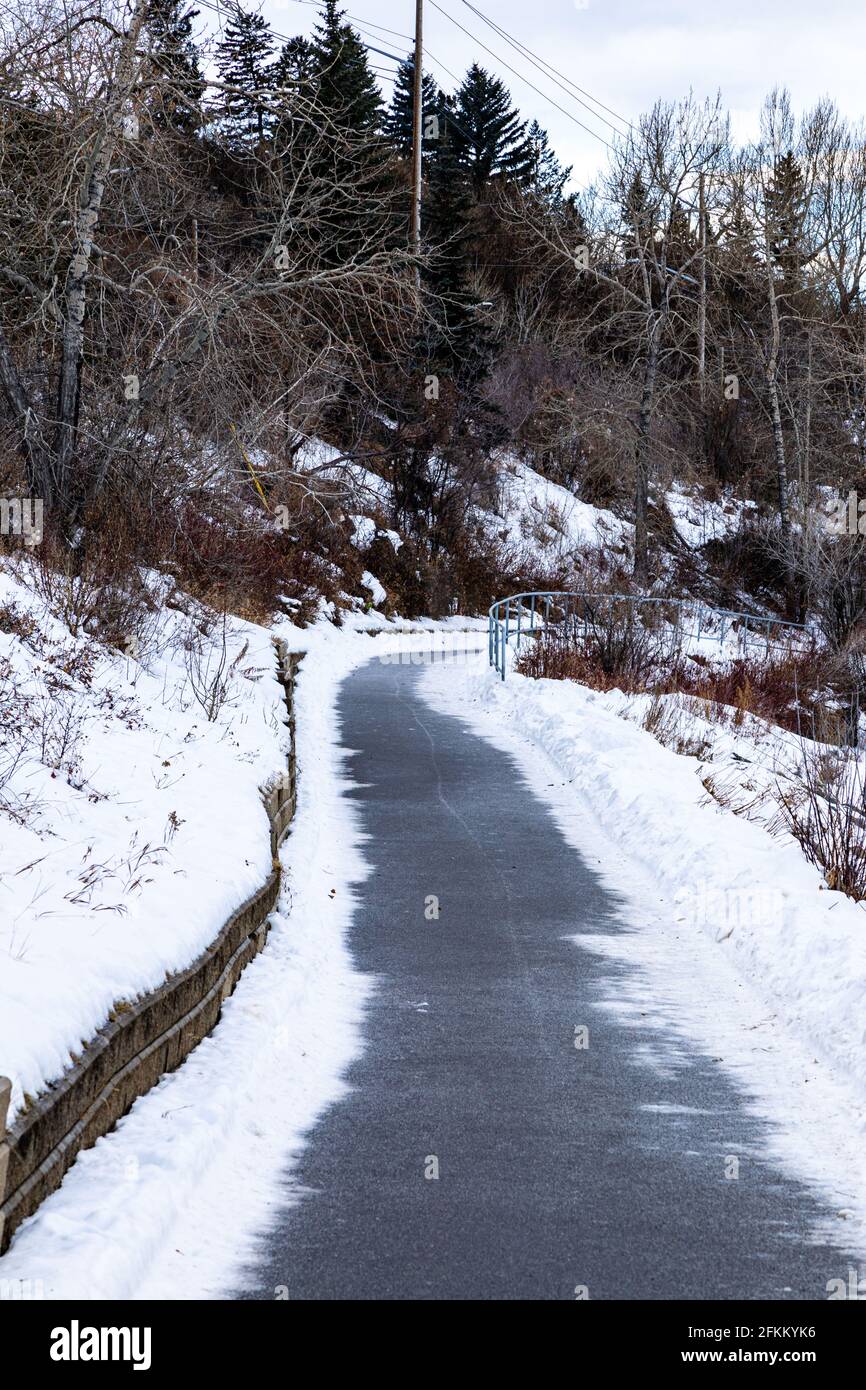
(548, 519)
(132, 823)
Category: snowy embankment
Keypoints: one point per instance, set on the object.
(547, 521)
(167, 1205)
(131, 812)
(741, 945)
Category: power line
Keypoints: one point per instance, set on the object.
(542, 64)
(521, 78)
(221, 10)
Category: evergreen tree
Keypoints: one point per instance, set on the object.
(786, 210)
(399, 119)
(346, 87)
(295, 65)
(637, 215)
(292, 76)
(175, 57)
(463, 346)
(243, 59)
(489, 136)
(350, 153)
(681, 241)
(548, 177)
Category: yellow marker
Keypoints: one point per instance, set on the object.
(249, 465)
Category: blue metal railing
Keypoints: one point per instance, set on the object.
(523, 615)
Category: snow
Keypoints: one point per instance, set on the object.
(729, 941)
(699, 520)
(133, 823)
(377, 590)
(548, 518)
(735, 941)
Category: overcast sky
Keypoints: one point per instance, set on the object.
(627, 53)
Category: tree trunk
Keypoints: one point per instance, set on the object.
(641, 499)
(68, 496)
(31, 443)
(773, 391)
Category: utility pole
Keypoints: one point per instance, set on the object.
(417, 123)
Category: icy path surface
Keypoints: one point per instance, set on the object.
(527, 1117)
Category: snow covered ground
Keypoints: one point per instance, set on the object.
(132, 819)
(737, 942)
(133, 826)
(546, 519)
(698, 520)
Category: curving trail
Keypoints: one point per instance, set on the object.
(552, 1176)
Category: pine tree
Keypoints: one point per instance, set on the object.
(169, 25)
(399, 119)
(292, 76)
(548, 177)
(489, 136)
(346, 88)
(243, 59)
(637, 215)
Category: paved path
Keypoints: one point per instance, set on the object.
(551, 1174)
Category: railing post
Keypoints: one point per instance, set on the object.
(490, 638)
(505, 636)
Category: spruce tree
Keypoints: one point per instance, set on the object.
(399, 119)
(295, 65)
(462, 347)
(786, 211)
(351, 159)
(638, 215)
(548, 177)
(489, 136)
(243, 59)
(292, 76)
(346, 88)
(169, 25)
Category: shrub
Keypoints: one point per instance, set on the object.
(824, 807)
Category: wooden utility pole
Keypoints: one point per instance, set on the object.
(417, 131)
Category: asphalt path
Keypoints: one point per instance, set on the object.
(481, 1153)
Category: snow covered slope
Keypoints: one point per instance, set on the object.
(132, 821)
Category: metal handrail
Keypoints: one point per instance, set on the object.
(520, 615)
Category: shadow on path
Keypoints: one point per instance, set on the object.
(551, 1175)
